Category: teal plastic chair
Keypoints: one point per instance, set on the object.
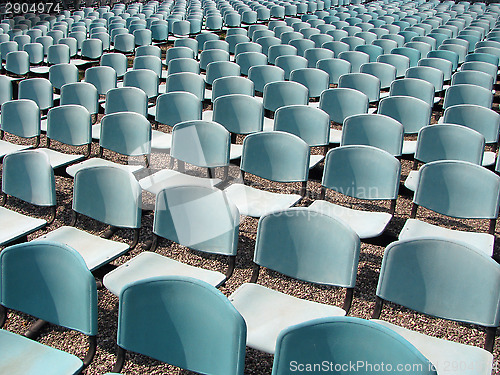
(332, 261)
(247, 47)
(309, 123)
(346, 340)
(183, 64)
(341, 103)
(468, 115)
(232, 85)
(445, 142)
(6, 89)
(446, 66)
(412, 113)
(445, 54)
(484, 57)
(150, 62)
(247, 60)
(373, 130)
(28, 176)
(313, 55)
(289, 63)
(39, 90)
(17, 63)
(366, 83)
(175, 107)
(473, 78)
(126, 133)
(386, 73)
(302, 45)
(80, 93)
(44, 292)
(177, 52)
(400, 62)
(204, 144)
(70, 125)
(102, 77)
(281, 93)
(362, 172)
(316, 80)
(386, 44)
(460, 190)
(211, 55)
(371, 50)
(202, 325)
(144, 79)
(197, 217)
(356, 58)
(413, 87)
(480, 66)
(219, 69)
(186, 81)
(444, 279)
(275, 156)
(261, 75)
(427, 73)
(239, 114)
(336, 46)
(117, 61)
(108, 195)
(467, 94)
(335, 68)
(123, 43)
(61, 74)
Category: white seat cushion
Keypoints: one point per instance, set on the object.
(7, 147)
(488, 158)
(161, 141)
(96, 131)
(448, 357)
(39, 69)
(256, 203)
(93, 162)
(415, 228)
(411, 181)
(95, 250)
(168, 178)
(43, 125)
(267, 312)
(314, 160)
(14, 225)
(268, 124)
(60, 159)
(409, 147)
(236, 151)
(207, 115)
(335, 136)
(367, 224)
(149, 264)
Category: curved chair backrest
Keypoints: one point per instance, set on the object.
(484, 120)
(356, 58)
(204, 326)
(92, 48)
(483, 56)
(341, 103)
(102, 77)
(109, 195)
(218, 69)
(35, 52)
(446, 66)
(412, 113)
(211, 55)
(332, 261)
(302, 45)
(261, 75)
(451, 56)
(117, 61)
(39, 90)
(148, 62)
(61, 74)
(474, 78)
(414, 87)
(281, 93)
(28, 175)
(124, 42)
(316, 80)
(247, 60)
(186, 81)
(276, 156)
(17, 62)
(233, 40)
(247, 47)
(201, 143)
(458, 189)
(289, 63)
(44, 290)
(371, 50)
(183, 64)
(81, 93)
(6, 48)
(412, 53)
(309, 123)
(363, 172)
(278, 50)
(144, 79)
(142, 37)
(400, 62)
(126, 99)
(373, 130)
(366, 83)
(386, 73)
(467, 94)
(177, 106)
(427, 73)
(179, 52)
(336, 46)
(21, 117)
(199, 217)
(441, 278)
(480, 66)
(6, 89)
(148, 51)
(313, 55)
(335, 68)
(239, 114)
(70, 124)
(58, 54)
(386, 44)
(345, 340)
(232, 85)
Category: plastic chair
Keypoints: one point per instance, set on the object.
(175, 107)
(6, 89)
(445, 142)
(144, 79)
(366, 83)
(17, 63)
(218, 69)
(461, 51)
(485, 57)
(449, 55)
(61, 74)
(480, 66)
(124, 43)
(280, 50)
(289, 63)
(386, 73)
(233, 40)
(414, 87)
(452, 195)
(111, 196)
(178, 52)
(102, 77)
(355, 171)
(247, 47)
(287, 160)
(267, 312)
(427, 73)
(260, 75)
(283, 93)
(149, 62)
(373, 130)
(468, 115)
(80, 93)
(232, 85)
(313, 55)
(343, 340)
(92, 48)
(336, 47)
(467, 94)
(143, 37)
(426, 268)
(302, 45)
(117, 61)
(39, 90)
(400, 62)
(386, 44)
(127, 133)
(474, 78)
(211, 55)
(335, 68)
(186, 81)
(44, 293)
(316, 80)
(214, 325)
(28, 176)
(183, 64)
(309, 123)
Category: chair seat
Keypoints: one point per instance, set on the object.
(168, 178)
(236, 151)
(162, 89)
(39, 69)
(14, 225)
(414, 228)
(367, 224)
(267, 312)
(93, 162)
(60, 159)
(161, 141)
(208, 94)
(315, 160)
(207, 115)
(489, 158)
(335, 136)
(80, 62)
(7, 148)
(149, 264)
(95, 250)
(152, 111)
(409, 147)
(22, 356)
(411, 181)
(314, 104)
(256, 203)
(442, 353)
(268, 124)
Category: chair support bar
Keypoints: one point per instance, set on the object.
(91, 352)
(3, 315)
(379, 303)
(230, 267)
(349, 294)
(34, 330)
(120, 359)
(255, 273)
(489, 341)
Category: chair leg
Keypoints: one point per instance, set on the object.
(120, 360)
(3, 315)
(34, 330)
(91, 352)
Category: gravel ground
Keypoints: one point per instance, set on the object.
(256, 362)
